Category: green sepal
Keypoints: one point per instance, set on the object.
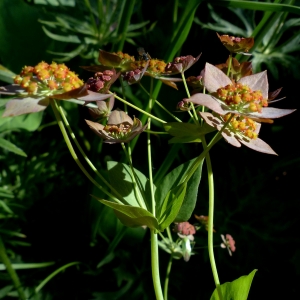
(235, 290)
(171, 206)
(132, 216)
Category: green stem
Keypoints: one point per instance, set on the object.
(153, 209)
(155, 266)
(229, 65)
(73, 153)
(137, 108)
(84, 155)
(166, 285)
(11, 271)
(210, 220)
(160, 105)
(195, 117)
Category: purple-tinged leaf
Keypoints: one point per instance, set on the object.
(257, 82)
(79, 92)
(214, 78)
(20, 106)
(271, 113)
(207, 101)
(11, 89)
(258, 145)
(117, 117)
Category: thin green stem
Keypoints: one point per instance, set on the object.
(73, 153)
(53, 274)
(167, 111)
(169, 234)
(84, 155)
(210, 219)
(136, 187)
(168, 272)
(213, 141)
(123, 93)
(137, 108)
(153, 208)
(195, 117)
(229, 65)
(11, 271)
(160, 105)
(156, 132)
(155, 266)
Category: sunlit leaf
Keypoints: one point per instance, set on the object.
(171, 205)
(235, 290)
(132, 216)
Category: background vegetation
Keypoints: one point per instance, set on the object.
(46, 212)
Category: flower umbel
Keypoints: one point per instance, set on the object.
(240, 130)
(35, 85)
(228, 243)
(120, 128)
(248, 96)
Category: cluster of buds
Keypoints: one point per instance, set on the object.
(241, 96)
(229, 243)
(124, 56)
(154, 66)
(186, 232)
(133, 76)
(242, 125)
(45, 78)
(100, 80)
(181, 64)
(203, 222)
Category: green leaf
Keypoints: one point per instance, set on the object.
(254, 5)
(173, 179)
(120, 177)
(132, 216)
(171, 205)
(6, 75)
(235, 290)
(185, 139)
(62, 38)
(186, 132)
(11, 147)
(29, 122)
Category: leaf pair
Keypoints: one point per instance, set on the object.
(174, 199)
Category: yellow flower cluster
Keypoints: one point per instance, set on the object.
(45, 77)
(242, 125)
(241, 95)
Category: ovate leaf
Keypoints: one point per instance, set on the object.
(173, 179)
(235, 290)
(20, 106)
(120, 177)
(171, 205)
(132, 216)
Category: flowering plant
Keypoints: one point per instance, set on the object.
(227, 101)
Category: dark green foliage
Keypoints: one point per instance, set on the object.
(46, 211)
